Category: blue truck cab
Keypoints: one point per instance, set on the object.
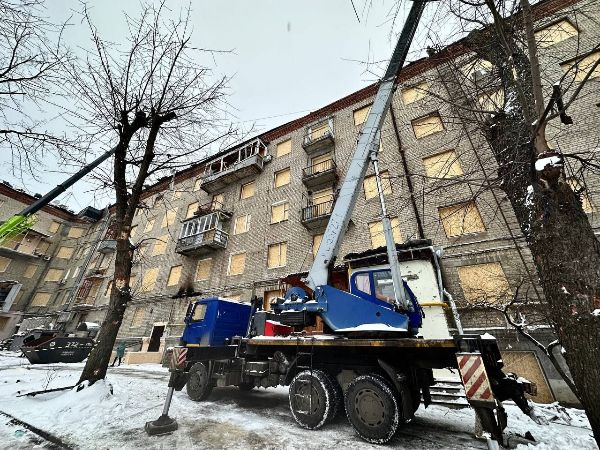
(212, 321)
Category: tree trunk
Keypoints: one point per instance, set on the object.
(97, 363)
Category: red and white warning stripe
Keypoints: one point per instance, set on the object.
(178, 357)
(474, 377)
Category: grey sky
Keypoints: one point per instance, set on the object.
(289, 57)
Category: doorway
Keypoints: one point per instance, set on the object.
(157, 332)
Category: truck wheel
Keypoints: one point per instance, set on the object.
(372, 408)
(311, 399)
(337, 396)
(245, 387)
(199, 385)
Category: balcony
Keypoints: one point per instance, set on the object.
(202, 243)
(214, 206)
(321, 173)
(235, 165)
(318, 137)
(86, 295)
(107, 246)
(315, 217)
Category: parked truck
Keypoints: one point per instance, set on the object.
(370, 360)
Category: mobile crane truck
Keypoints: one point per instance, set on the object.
(371, 362)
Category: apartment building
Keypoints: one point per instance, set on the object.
(239, 221)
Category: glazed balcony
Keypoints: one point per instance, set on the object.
(315, 217)
(235, 165)
(321, 173)
(318, 137)
(203, 234)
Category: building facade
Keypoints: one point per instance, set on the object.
(237, 222)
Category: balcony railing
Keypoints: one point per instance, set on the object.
(211, 207)
(318, 138)
(320, 173)
(317, 215)
(203, 242)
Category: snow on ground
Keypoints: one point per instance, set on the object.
(229, 419)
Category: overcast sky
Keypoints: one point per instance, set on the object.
(289, 57)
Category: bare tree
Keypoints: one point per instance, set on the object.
(154, 99)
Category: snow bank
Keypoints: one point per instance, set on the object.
(552, 161)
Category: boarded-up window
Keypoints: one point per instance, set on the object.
(133, 231)
(443, 165)
(75, 232)
(477, 68)
(218, 201)
(586, 203)
(319, 130)
(191, 209)
(237, 264)
(138, 317)
(277, 255)
(316, 243)
(581, 67)
(149, 226)
(555, 33)
(483, 282)
(174, 275)
(270, 296)
(169, 218)
(4, 262)
(319, 163)
(378, 236)
(360, 115)
(41, 299)
(65, 252)
(30, 271)
(197, 184)
(54, 275)
(53, 227)
(414, 93)
(279, 212)
(427, 125)
(203, 269)
(282, 177)
(284, 148)
(248, 190)
(462, 218)
(370, 185)
(322, 196)
(149, 279)
(241, 224)
(160, 245)
(492, 101)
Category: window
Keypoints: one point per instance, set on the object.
(149, 279)
(363, 283)
(248, 190)
(483, 282)
(199, 312)
(555, 33)
(197, 184)
(427, 125)
(217, 201)
(75, 232)
(203, 269)
(138, 317)
(160, 245)
(54, 275)
(4, 262)
(149, 226)
(237, 264)
(318, 131)
(360, 115)
(283, 148)
(133, 231)
(442, 165)
(586, 204)
(270, 296)
(282, 177)
(370, 185)
(65, 252)
(191, 209)
(41, 299)
(279, 212)
(462, 218)
(322, 196)
(378, 236)
(174, 275)
(492, 101)
(581, 67)
(30, 271)
(477, 68)
(316, 243)
(414, 93)
(169, 218)
(53, 227)
(277, 255)
(241, 224)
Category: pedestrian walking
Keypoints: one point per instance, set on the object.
(119, 355)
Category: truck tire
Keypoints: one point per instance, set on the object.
(245, 387)
(372, 408)
(311, 399)
(337, 395)
(199, 384)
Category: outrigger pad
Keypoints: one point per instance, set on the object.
(163, 425)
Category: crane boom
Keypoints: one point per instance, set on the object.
(366, 150)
